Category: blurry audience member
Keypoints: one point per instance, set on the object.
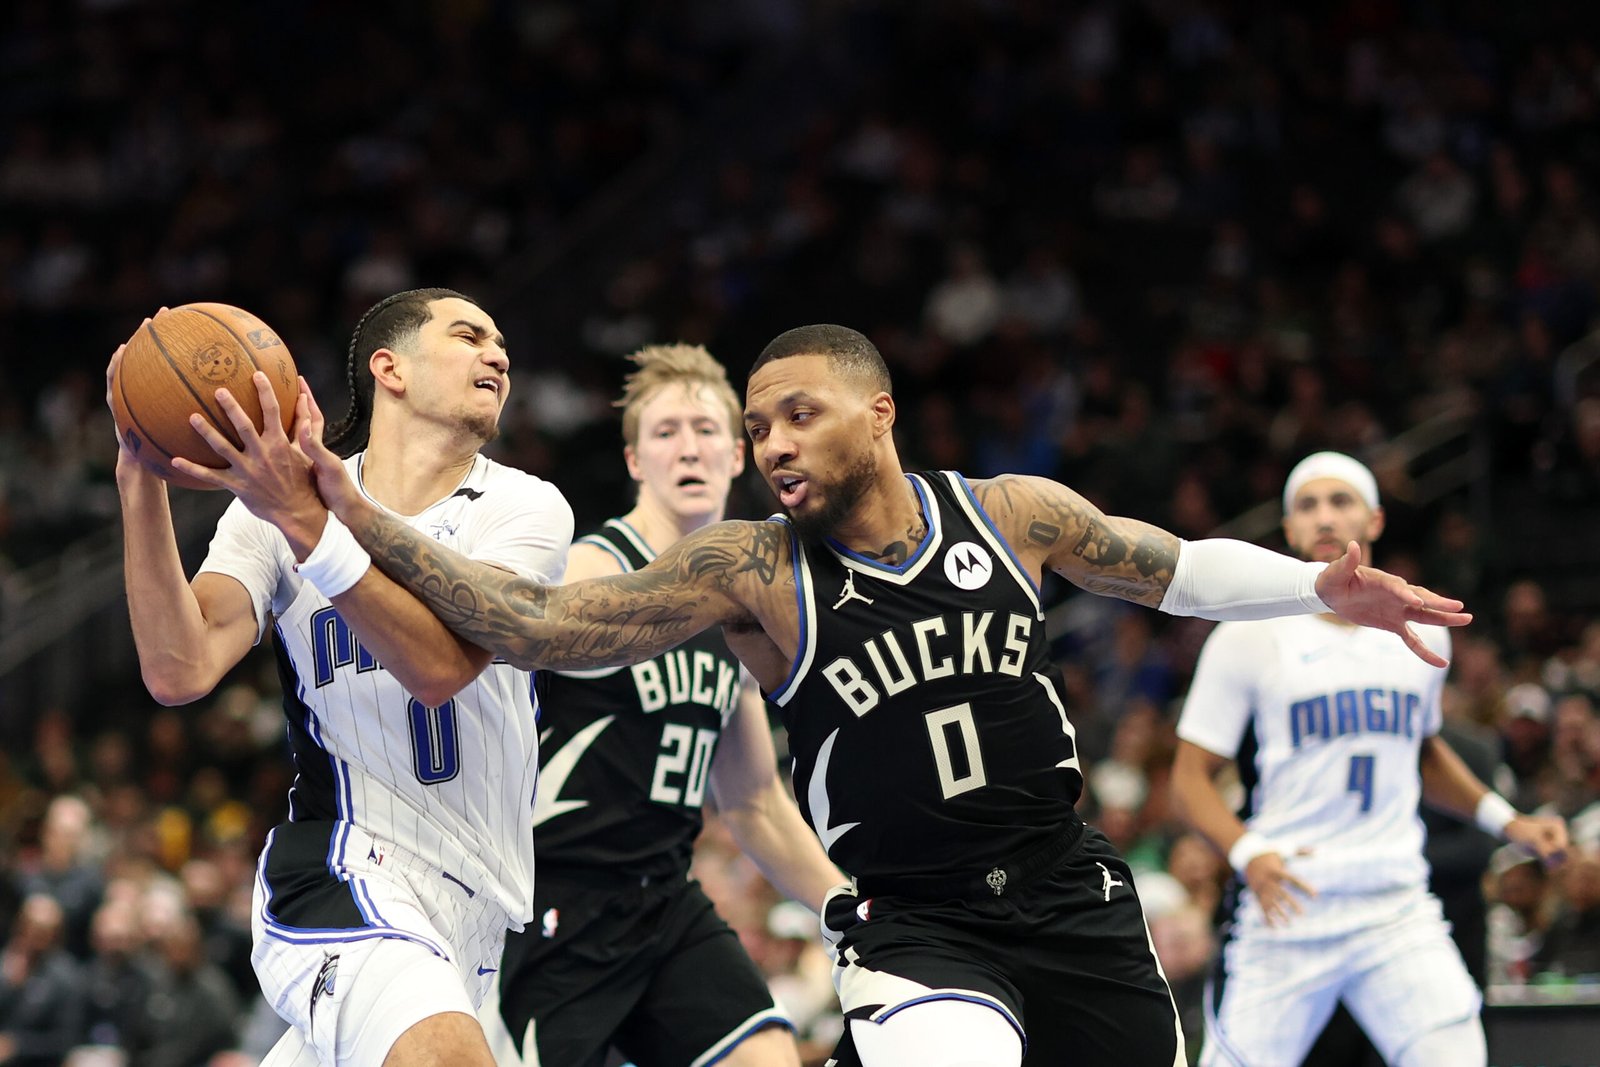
(41, 989)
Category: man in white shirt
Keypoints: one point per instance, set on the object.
(1329, 725)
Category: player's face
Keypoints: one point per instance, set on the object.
(1327, 514)
(462, 374)
(686, 456)
(812, 439)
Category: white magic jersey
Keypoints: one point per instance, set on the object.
(1326, 722)
(452, 784)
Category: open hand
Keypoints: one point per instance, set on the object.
(333, 482)
(269, 473)
(1269, 879)
(1376, 598)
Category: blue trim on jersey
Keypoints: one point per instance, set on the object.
(922, 545)
(968, 998)
(998, 536)
(799, 608)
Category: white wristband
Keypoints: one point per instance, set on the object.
(1494, 812)
(1220, 578)
(1248, 847)
(338, 561)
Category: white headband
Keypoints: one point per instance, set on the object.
(1352, 472)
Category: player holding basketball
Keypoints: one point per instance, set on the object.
(625, 950)
(1329, 724)
(382, 905)
(896, 620)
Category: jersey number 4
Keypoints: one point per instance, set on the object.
(1361, 780)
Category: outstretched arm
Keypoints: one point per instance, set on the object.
(1215, 578)
(270, 478)
(602, 622)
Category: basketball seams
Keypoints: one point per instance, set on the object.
(216, 418)
(244, 346)
(133, 419)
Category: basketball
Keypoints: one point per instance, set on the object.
(172, 368)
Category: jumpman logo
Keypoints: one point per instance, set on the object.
(850, 592)
(1111, 881)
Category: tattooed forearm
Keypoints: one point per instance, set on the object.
(621, 619)
(1116, 557)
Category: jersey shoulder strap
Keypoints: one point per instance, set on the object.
(623, 542)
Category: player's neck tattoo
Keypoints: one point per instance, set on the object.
(897, 552)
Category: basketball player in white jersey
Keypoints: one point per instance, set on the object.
(382, 904)
(627, 950)
(895, 618)
(1335, 733)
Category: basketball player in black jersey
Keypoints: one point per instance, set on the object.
(624, 950)
(895, 619)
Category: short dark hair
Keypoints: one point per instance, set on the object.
(390, 323)
(847, 350)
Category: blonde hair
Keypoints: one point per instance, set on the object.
(662, 365)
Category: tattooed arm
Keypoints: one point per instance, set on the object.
(1116, 557)
(601, 622)
(1214, 578)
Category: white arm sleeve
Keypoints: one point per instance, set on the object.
(1222, 697)
(1220, 578)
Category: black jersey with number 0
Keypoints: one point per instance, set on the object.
(626, 752)
(928, 733)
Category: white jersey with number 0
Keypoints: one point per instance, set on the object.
(452, 784)
(1326, 722)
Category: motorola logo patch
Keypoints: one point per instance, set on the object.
(968, 565)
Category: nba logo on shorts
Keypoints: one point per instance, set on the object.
(967, 566)
(552, 919)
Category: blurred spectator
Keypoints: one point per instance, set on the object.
(190, 1013)
(1523, 909)
(67, 871)
(117, 983)
(1572, 943)
(41, 989)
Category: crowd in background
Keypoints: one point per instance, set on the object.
(1157, 249)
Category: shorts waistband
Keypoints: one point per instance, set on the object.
(997, 881)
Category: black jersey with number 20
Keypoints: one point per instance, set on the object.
(928, 734)
(626, 751)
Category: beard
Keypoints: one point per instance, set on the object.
(480, 425)
(838, 500)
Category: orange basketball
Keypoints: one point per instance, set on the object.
(173, 367)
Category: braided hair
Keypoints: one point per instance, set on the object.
(390, 323)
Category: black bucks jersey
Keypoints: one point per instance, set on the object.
(927, 732)
(627, 750)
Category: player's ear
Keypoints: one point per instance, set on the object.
(883, 413)
(1375, 523)
(631, 458)
(385, 367)
(738, 456)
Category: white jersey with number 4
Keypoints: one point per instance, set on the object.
(453, 784)
(1326, 722)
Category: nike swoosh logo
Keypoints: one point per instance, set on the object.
(817, 795)
(482, 970)
(1314, 654)
(558, 768)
